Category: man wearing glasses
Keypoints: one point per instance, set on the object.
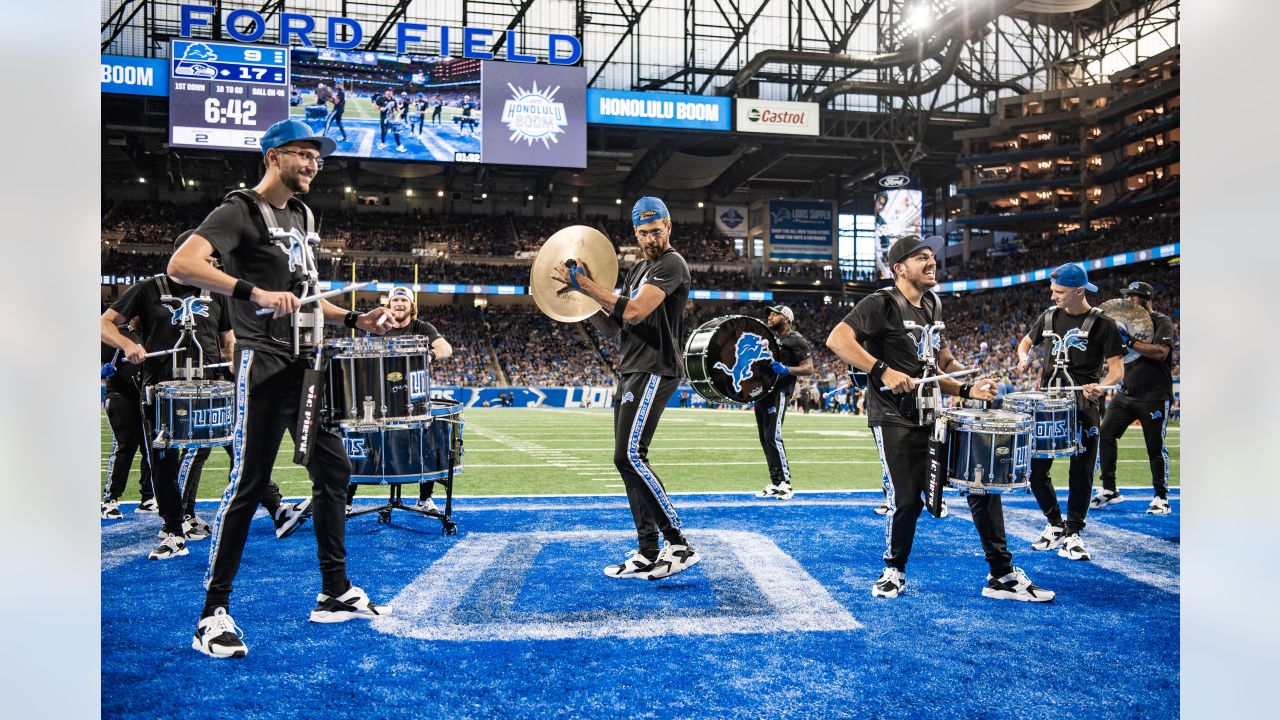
(649, 313)
(260, 236)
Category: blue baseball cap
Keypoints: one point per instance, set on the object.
(400, 291)
(287, 131)
(1072, 275)
(647, 209)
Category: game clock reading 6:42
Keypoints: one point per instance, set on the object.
(225, 95)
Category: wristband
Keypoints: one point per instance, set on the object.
(431, 354)
(965, 389)
(620, 307)
(243, 290)
(350, 319)
(877, 370)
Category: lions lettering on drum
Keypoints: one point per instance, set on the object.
(1051, 428)
(211, 417)
(418, 385)
(355, 447)
(750, 348)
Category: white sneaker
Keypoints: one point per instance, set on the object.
(111, 510)
(781, 491)
(1104, 497)
(673, 559)
(1073, 548)
(217, 636)
(1016, 586)
(891, 583)
(401, 148)
(147, 507)
(1049, 539)
(350, 605)
(199, 525)
(882, 510)
(289, 517)
(635, 566)
(172, 546)
(945, 512)
(1159, 506)
(427, 505)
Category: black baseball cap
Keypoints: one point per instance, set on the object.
(908, 245)
(1140, 289)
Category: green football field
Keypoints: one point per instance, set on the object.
(363, 108)
(536, 451)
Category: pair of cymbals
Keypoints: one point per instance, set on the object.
(584, 245)
(1133, 318)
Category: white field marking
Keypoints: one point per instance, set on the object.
(426, 608)
(615, 486)
(1111, 548)
(832, 433)
(700, 448)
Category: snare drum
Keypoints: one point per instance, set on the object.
(988, 451)
(413, 451)
(728, 359)
(374, 378)
(194, 413)
(1055, 433)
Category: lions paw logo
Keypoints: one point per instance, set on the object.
(750, 348)
(1157, 414)
(534, 115)
(628, 397)
(1073, 339)
(1092, 431)
(189, 308)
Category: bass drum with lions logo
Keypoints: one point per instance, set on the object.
(728, 359)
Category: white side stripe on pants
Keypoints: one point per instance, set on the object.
(777, 437)
(633, 451)
(888, 492)
(237, 458)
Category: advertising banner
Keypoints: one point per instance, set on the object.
(801, 230)
(534, 115)
(665, 110)
(135, 76)
(732, 220)
(778, 117)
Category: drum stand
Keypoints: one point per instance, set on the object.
(189, 371)
(395, 500)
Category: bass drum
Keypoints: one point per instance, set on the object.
(728, 359)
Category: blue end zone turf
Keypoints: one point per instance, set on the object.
(513, 618)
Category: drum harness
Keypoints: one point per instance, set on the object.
(1061, 349)
(928, 339)
(184, 309)
(310, 408)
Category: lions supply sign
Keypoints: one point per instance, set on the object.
(664, 110)
(778, 117)
(801, 230)
(135, 76)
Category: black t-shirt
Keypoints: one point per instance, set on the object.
(160, 324)
(466, 108)
(339, 100)
(1087, 356)
(125, 379)
(653, 345)
(385, 105)
(879, 328)
(1148, 379)
(420, 106)
(415, 327)
(239, 234)
(793, 349)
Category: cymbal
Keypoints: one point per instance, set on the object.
(1134, 319)
(587, 246)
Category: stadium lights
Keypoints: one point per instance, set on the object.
(484, 196)
(617, 201)
(574, 198)
(530, 198)
(408, 192)
(346, 188)
(439, 193)
(921, 17)
(142, 180)
(701, 204)
(241, 183)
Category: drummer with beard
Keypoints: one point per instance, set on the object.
(873, 339)
(405, 323)
(794, 359)
(649, 314)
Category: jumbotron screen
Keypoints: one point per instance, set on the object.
(898, 210)
(412, 107)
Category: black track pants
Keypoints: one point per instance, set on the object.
(638, 404)
(770, 411)
(1079, 477)
(1154, 417)
(192, 469)
(124, 416)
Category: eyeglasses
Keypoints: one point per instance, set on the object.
(651, 234)
(319, 161)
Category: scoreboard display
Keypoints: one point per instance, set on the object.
(224, 96)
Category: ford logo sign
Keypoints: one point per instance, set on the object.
(895, 181)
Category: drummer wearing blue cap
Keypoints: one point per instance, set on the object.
(264, 239)
(649, 314)
(1079, 343)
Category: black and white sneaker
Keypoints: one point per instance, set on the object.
(290, 517)
(198, 524)
(945, 512)
(891, 583)
(1051, 537)
(635, 566)
(1159, 506)
(171, 546)
(350, 605)
(673, 559)
(147, 507)
(781, 491)
(217, 636)
(427, 505)
(1104, 497)
(190, 532)
(882, 510)
(111, 510)
(1015, 586)
(1073, 548)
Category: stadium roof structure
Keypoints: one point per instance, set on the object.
(895, 80)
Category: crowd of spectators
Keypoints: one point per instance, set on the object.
(536, 350)
(150, 222)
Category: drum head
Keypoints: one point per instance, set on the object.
(735, 360)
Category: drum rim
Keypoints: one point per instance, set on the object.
(1012, 425)
(1037, 397)
(190, 389)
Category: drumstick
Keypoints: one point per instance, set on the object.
(218, 365)
(1079, 387)
(158, 353)
(324, 295)
(935, 378)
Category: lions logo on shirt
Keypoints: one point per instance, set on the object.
(295, 249)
